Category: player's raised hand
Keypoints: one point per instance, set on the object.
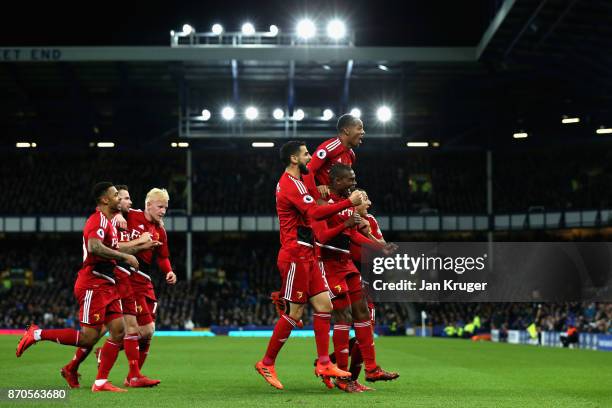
(120, 221)
(170, 278)
(364, 227)
(131, 260)
(323, 190)
(356, 197)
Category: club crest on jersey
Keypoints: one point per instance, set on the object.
(100, 233)
(139, 308)
(308, 199)
(321, 153)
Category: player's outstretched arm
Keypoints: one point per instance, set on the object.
(321, 212)
(324, 234)
(144, 242)
(96, 247)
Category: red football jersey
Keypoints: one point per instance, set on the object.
(137, 225)
(341, 242)
(97, 270)
(292, 205)
(125, 271)
(356, 249)
(327, 154)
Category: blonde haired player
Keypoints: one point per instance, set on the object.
(139, 222)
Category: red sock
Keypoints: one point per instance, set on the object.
(69, 337)
(363, 332)
(282, 331)
(321, 330)
(356, 360)
(80, 355)
(144, 345)
(130, 345)
(341, 344)
(108, 356)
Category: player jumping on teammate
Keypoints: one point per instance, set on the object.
(302, 280)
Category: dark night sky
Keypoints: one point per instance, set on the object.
(392, 23)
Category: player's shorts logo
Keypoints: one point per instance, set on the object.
(321, 153)
(96, 316)
(300, 294)
(308, 199)
(139, 308)
(338, 288)
(101, 233)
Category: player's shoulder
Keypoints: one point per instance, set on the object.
(135, 214)
(331, 146)
(295, 185)
(97, 219)
(372, 218)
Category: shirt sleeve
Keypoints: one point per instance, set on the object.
(163, 251)
(94, 228)
(359, 239)
(323, 233)
(376, 232)
(299, 196)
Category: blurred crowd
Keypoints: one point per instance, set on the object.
(587, 317)
(243, 182)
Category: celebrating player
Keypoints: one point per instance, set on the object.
(138, 223)
(302, 280)
(95, 290)
(334, 236)
(128, 303)
(335, 150)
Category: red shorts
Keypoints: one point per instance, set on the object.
(99, 305)
(301, 281)
(146, 310)
(124, 288)
(342, 277)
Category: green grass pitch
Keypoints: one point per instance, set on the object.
(215, 372)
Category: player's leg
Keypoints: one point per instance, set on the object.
(70, 371)
(294, 291)
(112, 346)
(342, 326)
(341, 312)
(130, 344)
(356, 357)
(147, 310)
(145, 333)
(363, 331)
(91, 302)
(322, 305)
